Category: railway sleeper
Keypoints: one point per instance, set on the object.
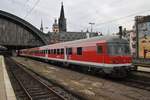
(38, 93)
(35, 90)
(44, 97)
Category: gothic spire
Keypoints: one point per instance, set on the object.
(62, 20)
(41, 28)
(62, 15)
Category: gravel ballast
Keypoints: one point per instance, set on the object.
(89, 87)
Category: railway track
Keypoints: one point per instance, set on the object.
(136, 79)
(139, 80)
(32, 87)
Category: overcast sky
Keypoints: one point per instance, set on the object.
(106, 14)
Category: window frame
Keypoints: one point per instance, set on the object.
(99, 49)
(54, 51)
(69, 51)
(49, 51)
(79, 50)
(58, 51)
(62, 51)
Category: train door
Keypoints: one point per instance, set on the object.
(101, 53)
(46, 53)
(65, 53)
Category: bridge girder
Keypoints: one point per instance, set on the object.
(15, 31)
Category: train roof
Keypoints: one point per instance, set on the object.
(109, 39)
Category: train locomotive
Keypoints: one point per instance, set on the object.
(106, 54)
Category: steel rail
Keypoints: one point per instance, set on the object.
(36, 79)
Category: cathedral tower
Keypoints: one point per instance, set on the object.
(62, 20)
(55, 26)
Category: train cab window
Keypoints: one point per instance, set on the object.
(62, 51)
(79, 50)
(99, 49)
(118, 49)
(54, 51)
(58, 51)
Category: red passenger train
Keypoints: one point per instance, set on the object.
(110, 55)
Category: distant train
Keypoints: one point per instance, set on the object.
(110, 55)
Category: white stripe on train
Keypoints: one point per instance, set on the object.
(85, 63)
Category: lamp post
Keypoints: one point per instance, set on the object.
(92, 26)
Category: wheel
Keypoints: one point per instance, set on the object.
(65, 64)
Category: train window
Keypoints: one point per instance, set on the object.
(118, 49)
(79, 50)
(58, 51)
(99, 49)
(62, 51)
(66, 50)
(49, 51)
(46, 51)
(69, 51)
(126, 49)
(54, 51)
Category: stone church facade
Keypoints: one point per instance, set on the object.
(60, 33)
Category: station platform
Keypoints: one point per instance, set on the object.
(144, 69)
(6, 90)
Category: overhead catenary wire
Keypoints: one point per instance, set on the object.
(120, 18)
(25, 3)
(106, 23)
(32, 9)
(97, 25)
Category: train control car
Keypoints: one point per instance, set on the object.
(110, 55)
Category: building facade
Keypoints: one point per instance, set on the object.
(55, 27)
(60, 33)
(133, 43)
(69, 36)
(142, 24)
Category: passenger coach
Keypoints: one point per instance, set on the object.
(110, 55)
